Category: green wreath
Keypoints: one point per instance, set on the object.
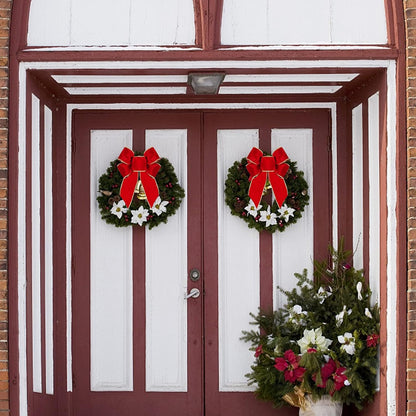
(114, 211)
(268, 215)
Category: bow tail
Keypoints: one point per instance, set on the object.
(127, 188)
(255, 191)
(279, 188)
(150, 187)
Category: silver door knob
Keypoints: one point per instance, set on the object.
(193, 293)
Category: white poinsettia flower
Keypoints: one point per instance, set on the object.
(368, 314)
(268, 217)
(139, 216)
(323, 294)
(313, 338)
(285, 212)
(277, 351)
(359, 288)
(297, 314)
(119, 208)
(340, 316)
(297, 309)
(251, 208)
(159, 206)
(348, 343)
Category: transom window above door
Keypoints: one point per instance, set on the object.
(188, 23)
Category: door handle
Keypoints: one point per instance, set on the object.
(193, 293)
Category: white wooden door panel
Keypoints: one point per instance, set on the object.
(111, 277)
(166, 279)
(238, 269)
(287, 257)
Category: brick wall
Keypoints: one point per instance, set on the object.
(410, 16)
(5, 11)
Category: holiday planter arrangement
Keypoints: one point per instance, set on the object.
(320, 350)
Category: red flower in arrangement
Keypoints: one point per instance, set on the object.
(289, 363)
(372, 340)
(311, 350)
(332, 370)
(259, 351)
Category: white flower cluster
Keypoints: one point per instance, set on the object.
(270, 218)
(313, 338)
(139, 216)
(323, 294)
(340, 316)
(348, 343)
(297, 315)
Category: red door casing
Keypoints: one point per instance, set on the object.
(139, 347)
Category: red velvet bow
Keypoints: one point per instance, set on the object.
(262, 167)
(130, 168)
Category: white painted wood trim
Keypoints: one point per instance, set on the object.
(201, 106)
(334, 149)
(21, 245)
(167, 280)
(36, 249)
(281, 89)
(238, 269)
(301, 78)
(357, 187)
(49, 318)
(68, 230)
(359, 63)
(125, 90)
(129, 79)
(123, 79)
(192, 48)
(287, 258)
(391, 241)
(374, 195)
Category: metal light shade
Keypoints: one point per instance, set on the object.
(205, 82)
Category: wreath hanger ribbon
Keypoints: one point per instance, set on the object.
(131, 167)
(261, 168)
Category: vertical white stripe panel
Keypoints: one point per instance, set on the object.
(238, 269)
(334, 177)
(287, 258)
(68, 230)
(111, 279)
(22, 253)
(166, 279)
(36, 268)
(357, 186)
(374, 195)
(391, 272)
(48, 203)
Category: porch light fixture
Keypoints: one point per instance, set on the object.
(204, 83)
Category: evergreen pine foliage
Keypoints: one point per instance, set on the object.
(337, 303)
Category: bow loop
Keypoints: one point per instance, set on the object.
(262, 167)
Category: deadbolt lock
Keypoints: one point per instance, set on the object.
(194, 275)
